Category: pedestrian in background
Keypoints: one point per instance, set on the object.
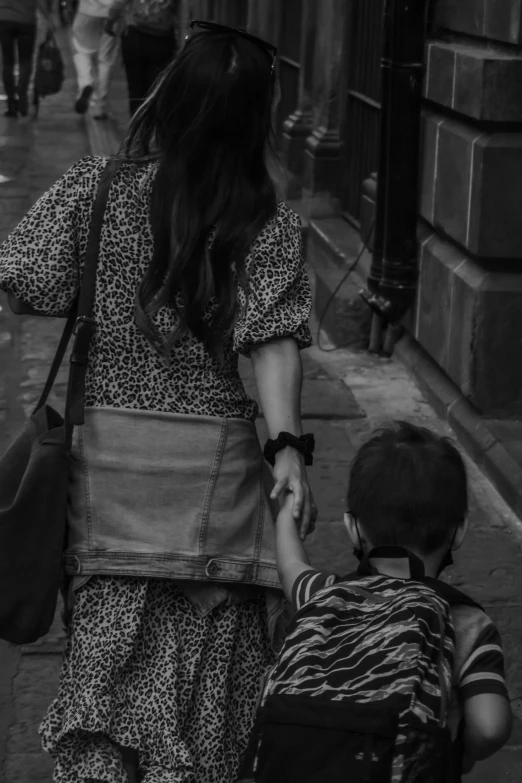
(148, 41)
(94, 55)
(170, 560)
(17, 40)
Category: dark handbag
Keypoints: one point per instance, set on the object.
(49, 75)
(34, 472)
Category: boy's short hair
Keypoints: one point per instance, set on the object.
(408, 486)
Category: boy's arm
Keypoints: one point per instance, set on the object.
(291, 555)
(487, 719)
(487, 726)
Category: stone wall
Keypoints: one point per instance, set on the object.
(469, 307)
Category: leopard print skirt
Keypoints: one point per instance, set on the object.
(143, 669)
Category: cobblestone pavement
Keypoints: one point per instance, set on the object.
(345, 395)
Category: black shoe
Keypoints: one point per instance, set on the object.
(102, 116)
(23, 105)
(12, 108)
(82, 104)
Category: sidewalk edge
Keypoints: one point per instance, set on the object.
(478, 441)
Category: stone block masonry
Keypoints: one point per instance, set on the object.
(498, 20)
(471, 186)
(469, 320)
(476, 81)
(470, 285)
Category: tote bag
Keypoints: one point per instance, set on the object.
(34, 473)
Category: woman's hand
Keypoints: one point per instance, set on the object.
(290, 475)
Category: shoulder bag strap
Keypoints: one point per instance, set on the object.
(81, 311)
(58, 358)
(84, 323)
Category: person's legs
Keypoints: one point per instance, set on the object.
(135, 64)
(107, 53)
(86, 32)
(7, 43)
(26, 38)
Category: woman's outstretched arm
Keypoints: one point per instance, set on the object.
(278, 373)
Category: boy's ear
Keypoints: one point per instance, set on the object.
(460, 535)
(350, 524)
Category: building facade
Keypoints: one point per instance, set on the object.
(468, 312)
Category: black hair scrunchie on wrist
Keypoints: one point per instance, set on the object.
(305, 445)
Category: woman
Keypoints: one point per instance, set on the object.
(148, 42)
(174, 592)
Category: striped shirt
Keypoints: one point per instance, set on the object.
(479, 659)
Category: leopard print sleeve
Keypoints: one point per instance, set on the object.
(40, 259)
(279, 300)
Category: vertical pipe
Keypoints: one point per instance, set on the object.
(375, 274)
(399, 266)
(393, 274)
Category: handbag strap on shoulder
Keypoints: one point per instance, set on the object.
(80, 322)
(85, 324)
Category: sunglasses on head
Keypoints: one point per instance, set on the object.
(212, 27)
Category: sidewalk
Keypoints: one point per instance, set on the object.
(346, 394)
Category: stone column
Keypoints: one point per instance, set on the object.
(299, 125)
(323, 148)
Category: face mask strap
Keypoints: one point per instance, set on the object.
(358, 551)
(447, 560)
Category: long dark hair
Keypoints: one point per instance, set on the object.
(208, 123)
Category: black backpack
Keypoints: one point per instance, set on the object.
(49, 75)
(362, 686)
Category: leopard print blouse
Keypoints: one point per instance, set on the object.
(41, 264)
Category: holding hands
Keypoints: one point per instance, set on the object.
(290, 477)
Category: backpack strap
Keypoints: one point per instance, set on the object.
(450, 594)
(79, 321)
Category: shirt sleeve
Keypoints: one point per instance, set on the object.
(483, 669)
(40, 259)
(279, 299)
(308, 583)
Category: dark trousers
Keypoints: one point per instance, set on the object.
(144, 57)
(20, 37)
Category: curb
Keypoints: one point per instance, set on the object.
(477, 440)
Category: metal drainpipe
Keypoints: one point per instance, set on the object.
(393, 275)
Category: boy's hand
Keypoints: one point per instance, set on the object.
(291, 556)
(290, 476)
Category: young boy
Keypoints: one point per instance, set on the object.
(407, 502)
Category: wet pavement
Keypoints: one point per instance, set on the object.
(346, 394)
